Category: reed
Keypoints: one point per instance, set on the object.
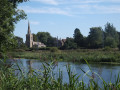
(45, 80)
(71, 55)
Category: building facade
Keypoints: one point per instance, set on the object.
(61, 42)
(29, 40)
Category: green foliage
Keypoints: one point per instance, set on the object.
(46, 38)
(95, 38)
(43, 37)
(107, 48)
(69, 44)
(19, 43)
(44, 48)
(35, 37)
(19, 40)
(78, 37)
(19, 50)
(54, 49)
(73, 78)
(111, 36)
(110, 42)
(9, 15)
(51, 42)
(97, 56)
(46, 80)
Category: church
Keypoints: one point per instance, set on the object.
(29, 40)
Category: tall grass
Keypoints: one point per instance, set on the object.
(45, 80)
(71, 55)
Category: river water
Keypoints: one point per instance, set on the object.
(107, 71)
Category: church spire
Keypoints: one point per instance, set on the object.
(29, 28)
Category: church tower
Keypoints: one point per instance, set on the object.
(29, 37)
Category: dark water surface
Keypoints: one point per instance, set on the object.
(107, 71)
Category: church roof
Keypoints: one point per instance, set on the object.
(29, 32)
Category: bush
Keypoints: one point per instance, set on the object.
(54, 49)
(107, 48)
(44, 48)
(19, 50)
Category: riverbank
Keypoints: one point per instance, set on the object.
(97, 56)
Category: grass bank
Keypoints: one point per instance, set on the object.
(98, 56)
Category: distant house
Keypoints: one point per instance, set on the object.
(61, 42)
(29, 40)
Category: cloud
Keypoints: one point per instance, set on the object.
(45, 10)
(34, 22)
(75, 7)
(97, 9)
(101, 1)
(61, 2)
(52, 2)
(111, 1)
(86, 1)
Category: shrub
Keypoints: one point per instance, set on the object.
(19, 50)
(54, 49)
(44, 48)
(107, 48)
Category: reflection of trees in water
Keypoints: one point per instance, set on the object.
(29, 63)
(100, 70)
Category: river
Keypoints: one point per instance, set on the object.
(108, 72)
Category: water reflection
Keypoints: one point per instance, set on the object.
(107, 72)
(29, 63)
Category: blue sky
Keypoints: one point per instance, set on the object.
(61, 17)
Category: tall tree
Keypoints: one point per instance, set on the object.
(19, 42)
(51, 42)
(9, 16)
(78, 37)
(69, 44)
(35, 37)
(95, 37)
(111, 34)
(110, 41)
(45, 38)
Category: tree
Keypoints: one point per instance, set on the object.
(119, 40)
(111, 34)
(45, 38)
(9, 16)
(51, 42)
(19, 42)
(69, 44)
(110, 42)
(95, 37)
(78, 37)
(35, 37)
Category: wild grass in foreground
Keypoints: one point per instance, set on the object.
(45, 80)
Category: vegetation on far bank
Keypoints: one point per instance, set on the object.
(91, 55)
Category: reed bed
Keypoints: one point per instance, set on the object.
(71, 55)
(45, 80)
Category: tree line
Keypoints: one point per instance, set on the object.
(10, 15)
(97, 38)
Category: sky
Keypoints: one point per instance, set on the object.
(61, 17)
